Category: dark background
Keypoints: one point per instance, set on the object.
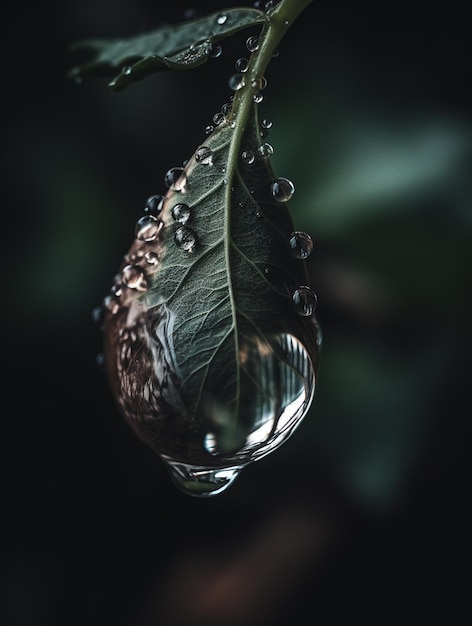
(361, 517)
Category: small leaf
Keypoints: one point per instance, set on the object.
(210, 356)
(175, 47)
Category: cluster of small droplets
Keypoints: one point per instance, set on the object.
(176, 179)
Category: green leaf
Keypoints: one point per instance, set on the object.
(208, 357)
(176, 47)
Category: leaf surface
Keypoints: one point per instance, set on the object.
(170, 47)
(223, 352)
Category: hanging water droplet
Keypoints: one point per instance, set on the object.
(236, 82)
(301, 244)
(151, 257)
(147, 228)
(282, 189)
(181, 213)
(209, 129)
(222, 19)
(176, 179)
(134, 277)
(266, 124)
(252, 43)
(154, 204)
(204, 155)
(127, 70)
(218, 118)
(241, 64)
(185, 238)
(247, 157)
(304, 300)
(216, 50)
(266, 150)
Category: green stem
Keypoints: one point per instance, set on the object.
(278, 22)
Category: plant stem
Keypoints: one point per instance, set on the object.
(279, 20)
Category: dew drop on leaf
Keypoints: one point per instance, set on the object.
(151, 257)
(154, 204)
(266, 150)
(247, 157)
(134, 277)
(147, 228)
(181, 213)
(282, 189)
(301, 245)
(304, 300)
(204, 155)
(209, 129)
(176, 179)
(185, 238)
